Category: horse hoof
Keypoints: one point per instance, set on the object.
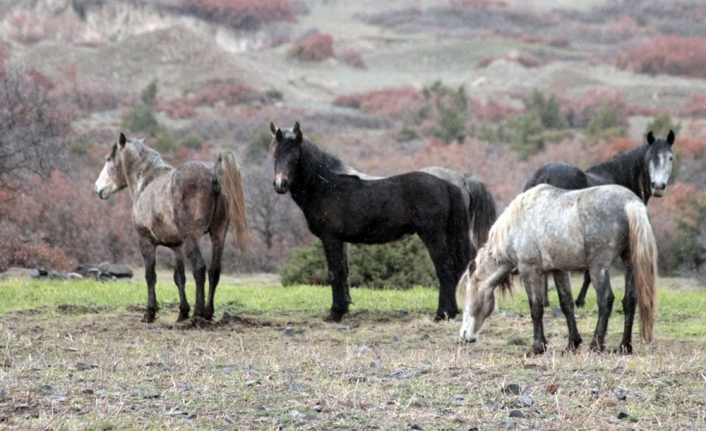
(335, 316)
(182, 317)
(149, 316)
(623, 350)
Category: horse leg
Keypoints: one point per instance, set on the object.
(214, 272)
(629, 301)
(601, 282)
(545, 296)
(198, 268)
(444, 266)
(180, 281)
(581, 300)
(337, 259)
(148, 249)
(532, 280)
(563, 287)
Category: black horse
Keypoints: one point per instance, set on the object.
(341, 208)
(645, 170)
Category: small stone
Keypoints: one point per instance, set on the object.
(288, 331)
(295, 413)
(595, 391)
(622, 396)
(58, 398)
(358, 379)
(342, 327)
(396, 372)
(189, 422)
(525, 400)
(552, 388)
(83, 366)
(508, 425)
(415, 427)
(375, 364)
(458, 398)
(411, 374)
(512, 389)
(426, 362)
(623, 414)
(318, 408)
(491, 405)
(396, 338)
(517, 414)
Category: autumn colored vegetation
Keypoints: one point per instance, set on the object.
(668, 54)
(315, 47)
(247, 14)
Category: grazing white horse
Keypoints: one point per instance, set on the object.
(550, 230)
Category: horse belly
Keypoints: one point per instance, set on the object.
(153, 212)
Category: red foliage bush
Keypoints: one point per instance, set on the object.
(354, 59)
(695, 106)
(671, 54)
(240, 13)
(317, 47)
(493, 111)
(579, 111)
(389, 102)
(229, 93)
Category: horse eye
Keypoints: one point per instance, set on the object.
(671, 158)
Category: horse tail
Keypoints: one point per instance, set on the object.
(458, 241)
(643, 258)
(481, 209)
(230, 181)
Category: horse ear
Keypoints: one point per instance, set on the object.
(273, 129)
(650, 138)
(122, 140)
(278, 135)
(298, 137)
(670, 138)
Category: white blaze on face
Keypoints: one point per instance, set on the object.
(278, 181)
(659, 173)
(104, 186)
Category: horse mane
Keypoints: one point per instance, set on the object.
(146, 161)
(622, 159)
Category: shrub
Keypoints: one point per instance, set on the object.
(580, 111)
(165, 143)
(662, 124)
(317, 47)
(548, 109)
(398, 265)
(450, 107)
(689, 247)
(246, 14)
(192, 141)
(142, 119)
(388, 102)
(695, 106)
(671, 54)
(606, 123)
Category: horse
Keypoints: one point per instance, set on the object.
(174, 208)
(645, 170)
(342, 208)
(552, 230)
(476, 198)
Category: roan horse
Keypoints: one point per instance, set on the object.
(645, 170)
(547, 229)
(174, 208)
(341, 208)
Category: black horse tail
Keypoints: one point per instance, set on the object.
(482, 211)
(458, 240)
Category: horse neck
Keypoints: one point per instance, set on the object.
(314, 177)
(140, 171)
(629, 170)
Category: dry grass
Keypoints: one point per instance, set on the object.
(73, 367)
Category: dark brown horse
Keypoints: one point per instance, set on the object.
(174, 208)
(341, 208)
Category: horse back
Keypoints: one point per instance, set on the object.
(193, 198)
(561, 175)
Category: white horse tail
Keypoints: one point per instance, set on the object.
(230, 180)
(643, 258)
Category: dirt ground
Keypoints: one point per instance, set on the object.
(75, 368)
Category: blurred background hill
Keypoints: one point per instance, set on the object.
(491, 88)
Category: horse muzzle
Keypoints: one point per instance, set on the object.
(281, 185)
(658, 189)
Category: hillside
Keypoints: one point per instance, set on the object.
(222, 79)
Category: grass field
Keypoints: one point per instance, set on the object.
(75, 356)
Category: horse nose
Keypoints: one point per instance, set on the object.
(280, 185)
(658, 185)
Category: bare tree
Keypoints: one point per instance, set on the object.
(33, 128)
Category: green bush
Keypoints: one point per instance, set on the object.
(398, 265)
(192, 141)
(259, 145)
(452, 107)
(142, 119)
(689, 246)
(662, 124)
(165, 143)
(548, 109)
(605, 123)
